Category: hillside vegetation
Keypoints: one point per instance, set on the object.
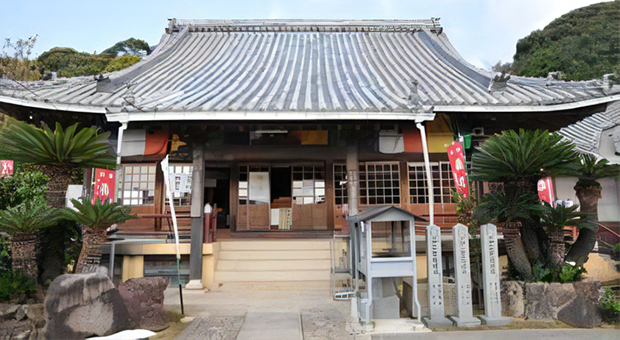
(582, 44)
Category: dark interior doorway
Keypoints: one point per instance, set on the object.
(217, 193)
(280, 182)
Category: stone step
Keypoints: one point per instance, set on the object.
(276, 245)
(272, 275)
(267, 265)
(314, 285)
(298, 254)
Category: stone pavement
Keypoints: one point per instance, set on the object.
(280, 315)
(283, 315)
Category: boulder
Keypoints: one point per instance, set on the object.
(81, 305)
(583, 311)
(144, 299)
(512, 299)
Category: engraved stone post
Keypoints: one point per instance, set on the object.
(436, 318)
(464, 313)
(490, 277)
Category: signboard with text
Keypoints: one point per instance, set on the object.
(105, 183)
(6, 168)
(545, 190)
(457, 164)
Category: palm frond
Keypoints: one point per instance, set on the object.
(73, 147)
(98, 215)
(28, 217)
(526, 154)
(560, 216)
(499, 207)
(589, 169)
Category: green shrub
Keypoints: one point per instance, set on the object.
(15, 282)
(6, 262)
(570, 273)
(563, 274)
(610, 305)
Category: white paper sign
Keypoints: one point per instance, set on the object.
(259, 186)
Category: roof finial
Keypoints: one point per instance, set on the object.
(413, 99)
(499, 82)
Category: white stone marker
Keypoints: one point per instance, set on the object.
(464, 312)
(490, 277)
(436, 318)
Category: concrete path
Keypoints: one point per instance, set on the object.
(271, 325)
(262, 315)
(509, 334)
(315, 315)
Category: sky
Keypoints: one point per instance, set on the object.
(482, 31)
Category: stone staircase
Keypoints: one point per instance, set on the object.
(297, 265)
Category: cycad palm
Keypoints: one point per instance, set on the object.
(21, 222)
(519, 160)
(554, 219)
(95, 217)
(60, 150)
(589, 170)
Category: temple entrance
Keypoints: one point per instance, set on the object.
(282, 198)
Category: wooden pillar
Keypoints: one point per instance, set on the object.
(353, 178)
(197, 217)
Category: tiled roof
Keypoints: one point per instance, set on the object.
(586, 134)
(347, 69)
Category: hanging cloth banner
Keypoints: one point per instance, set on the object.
(164, 169)
(141, 143)
(105, 183)
(457, 163)
(545, 190)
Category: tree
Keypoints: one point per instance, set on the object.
(589, 170)
(95, 217)
(519, 160)
(583, 44)
(68, 62)
(14, 60)
(120, 63)
(21, 222)
(129, 47)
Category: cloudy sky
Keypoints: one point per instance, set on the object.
(483, 31)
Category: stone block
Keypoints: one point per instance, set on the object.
(583, 311)
(538, 306)
(7, 311)
(144, 299)
(20, 313)
(559, 294)
(512, 299)
(81, 305)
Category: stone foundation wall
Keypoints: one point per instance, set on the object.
(575, 304)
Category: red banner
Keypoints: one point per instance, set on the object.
(105, 183)
(545, 190)
(6, 168)
(457, 164)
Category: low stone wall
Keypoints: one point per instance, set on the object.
(575, 304)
